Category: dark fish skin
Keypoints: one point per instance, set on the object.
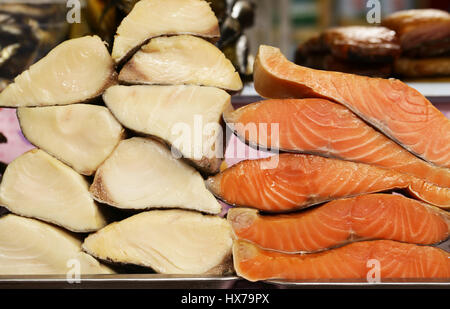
(2, 169)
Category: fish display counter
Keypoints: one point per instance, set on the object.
(140, 156)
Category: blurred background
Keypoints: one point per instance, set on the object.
(30, 28)
(287, 23)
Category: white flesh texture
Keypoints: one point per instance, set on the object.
(39, 186)
(80, 135)
(153, 18)
(32, 247)
(186, 117)
(168, 241)
(182, 59)
(75, 71)
(142, 173)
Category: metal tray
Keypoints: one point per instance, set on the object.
(123, 281)
(157, 281)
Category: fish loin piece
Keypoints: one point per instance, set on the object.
(181, 59)
(75, 71)
(409, 67)
(168, 241)
(295, 181)
(142, 173)
(39, 186)
(362, 43)
(420, 30)
(396, 260)
(153, 18)
(328, 129)
(374, 216)
(80, 135)
(400, 112)
(186, 117)
(32, 247)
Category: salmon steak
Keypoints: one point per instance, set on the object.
(373, 216)
(293, 181)
(359, 260)
(321, 127)
(394, 108)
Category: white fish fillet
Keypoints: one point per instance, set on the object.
(152, 18)
(168, 241)
(32, 247)
(39, 186)
(187, 117)
(142, 173)
(75, 71)
(80, 135)
(181, 59)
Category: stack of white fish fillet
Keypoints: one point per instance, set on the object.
(168, 85)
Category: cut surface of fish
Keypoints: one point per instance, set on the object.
(80, 135)
(328, 129)
(396, 109)
(168, 241)
(32, 247)
(186, 117)
(181, 59)
(392, 260)
(75, 71)
(153, 18)
(39, 186)
(294, 181)
(142, 173)
(374, 216)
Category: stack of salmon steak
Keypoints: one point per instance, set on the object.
(114, 139)
(348, 144)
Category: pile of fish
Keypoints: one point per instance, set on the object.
(110, 160)
(347, 141)
(410, 44)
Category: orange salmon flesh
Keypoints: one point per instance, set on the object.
(374, 216)
(396, 109)
(299, 180)
(359, 260)
(321, 127)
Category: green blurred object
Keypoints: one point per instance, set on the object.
(100, 17)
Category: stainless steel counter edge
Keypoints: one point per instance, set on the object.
(158, 281)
